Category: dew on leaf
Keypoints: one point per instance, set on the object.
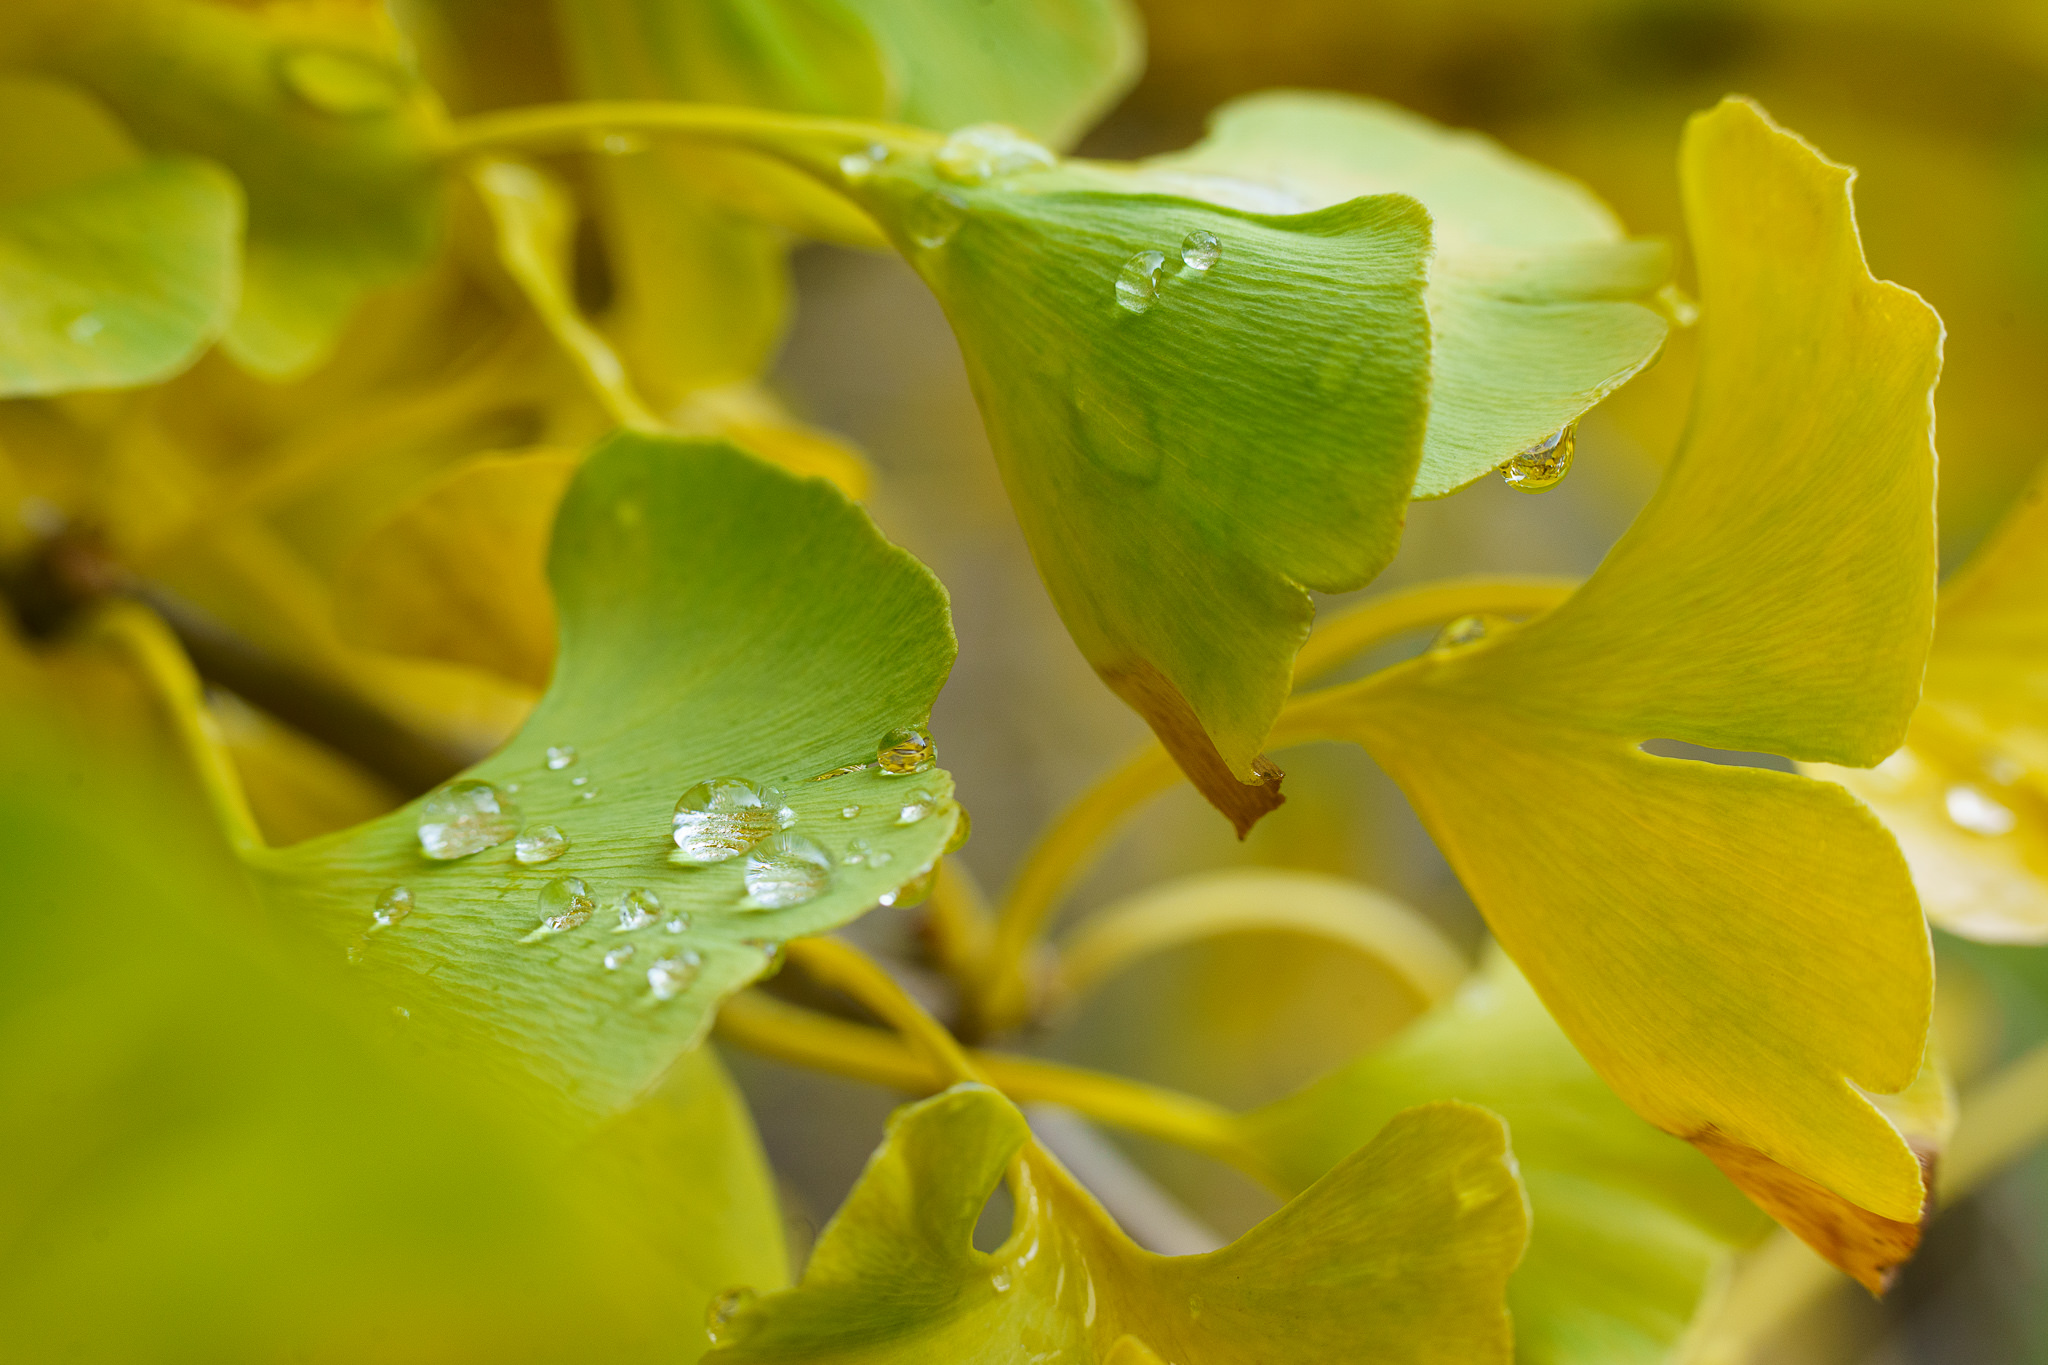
(561, 756)
(722, 1310)
(1000, 1281)
(1137, 287)
(983, 152)
(848, 812)
(391, 907)
(670, 976)
(914, 891)
(1544, 464)
(920, 805)
(637, 909)
(618, 957)
(677, 923)
(858, 166)
(587, 795)
(1200, 250)
(857, 852)
(1465, 630)
(1970, 809)
(785, 870)
(355, 954)
(935, 218)
(723, 817)
(962, 829)
(465, 817)
(905, 751)
(581, 780)
(565, 904)
(540, 844)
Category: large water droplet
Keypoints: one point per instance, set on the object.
(540, 844)
(561, 756)
(637, 909)
(722, 1310)
(1138, 286)
(1972, 810)
(984, 151)
(1544, 464)
(565, 904)
(724, 817)
(963, 828)
(913, 891)
(905, 751)
(934, 218)
(464, 818)
(618, 957)
(920, 805)
(391, 907)
(1465, 630)
(670, 976)
(785, 870)
(1199, 250)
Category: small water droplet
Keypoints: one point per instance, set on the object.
(84, 328)
(766, 947)
(913, 891)
(1137, 287)
(677, 923)
(588, 795)
(934, 219)
(561, 756)
(512, 789)
(848, 812)
(1544, 464)
(1972, 810)
(982, 152)
(540, 844)
(857, 852)
(391, 907)
(637, 909)
(963, 828)
(920, 805)
(856, 166)
(723, 1309)
(355, 954)
(1000, 1281)
(785, 870)
(581, 780)
(618, 957)
(670, 976)
(723, 817)
(905, 751)
(464, 818)
(565, 904)
(1200, 250)
(1465, 630)
(401, 1014)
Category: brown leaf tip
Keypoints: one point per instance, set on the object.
(1148, 692)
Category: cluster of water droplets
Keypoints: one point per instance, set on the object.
(465, 817)
(970, 157)
(1544, 464)
(1137, 285)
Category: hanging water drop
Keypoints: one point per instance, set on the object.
(637, 909)
(984, 151)
(934, 218)
(723, 1309)
(618, 957)
(391, 907)
(464, 818)
(540, 844)
(963, 828)
(1972, 810)
(723, 817)
(670, 976)
(913, 891)
(1138, 286)
(565, 904)
(785, 870)
(561, 756)
(1200, 250)
(1544, 464)
(905, 751)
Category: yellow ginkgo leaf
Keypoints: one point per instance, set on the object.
(1968, 795)
(1399, 1254)
(1736, 951)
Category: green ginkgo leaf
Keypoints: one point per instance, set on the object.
(1533, 291)
(719, 619)
(118, 281)
(315, 112)
(1736, 951)
(1968, 794)
(1398, 1254)
(1628, 1226)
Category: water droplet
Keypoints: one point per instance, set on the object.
(391, 907)
(1465, 630)
(637, 909)
(512, 789)
(848, 812)
(677, 923)
(401, 1014)
(905, 751)
(1138, 286)
(981, 152)
(1200, 250)
(913, 891)
(1544, 464)
(590, 795)
(724, 817)
(464, 818)
(723, 1309)
(565, 904)
(841, 772)
(856, 166)
(857, 852)
(935, 218)
(963, 828)
(84, 328)
(540, 844)
(920, 805)
(766, 947)
(561, 756)
(355, 954)
(1000, 1281)
(670, 976)
(785, 870)
(1972, 810)
(618, 957)
(340, 83)
(581, 780)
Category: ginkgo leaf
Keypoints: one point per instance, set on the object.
(1967, 796)
(120, 281)
(1734, 950)
(1628, 1226)
(719, 619)
(239, 1156)
(459, 573)
(1534, 294)
(1398, 1254)
(312, 109)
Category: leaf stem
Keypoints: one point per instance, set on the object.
(791, 1033)
(831, 962)
(999, 996)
